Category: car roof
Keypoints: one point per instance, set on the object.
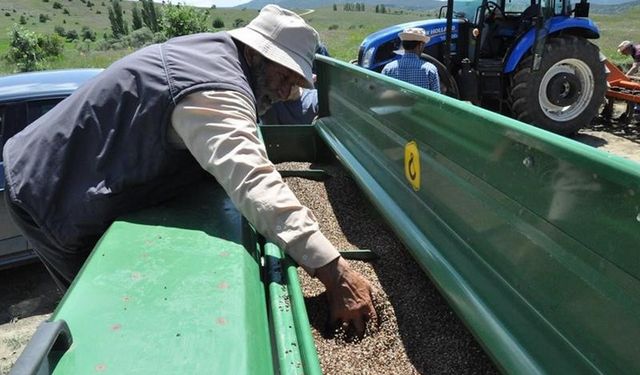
(45, 84)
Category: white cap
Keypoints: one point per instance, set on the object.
(283, 37)
(624, 45)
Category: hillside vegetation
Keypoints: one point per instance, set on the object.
(342, 31)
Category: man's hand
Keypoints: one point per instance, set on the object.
(349, 296)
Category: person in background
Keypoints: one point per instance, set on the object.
(146, 127)
(300, 108)
(633, 50)
(409, 67)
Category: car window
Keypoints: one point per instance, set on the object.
(15, 116)
(38, 108)
(1, 162)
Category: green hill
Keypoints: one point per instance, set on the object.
(340, 30)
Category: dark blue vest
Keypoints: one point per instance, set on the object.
(103, 151)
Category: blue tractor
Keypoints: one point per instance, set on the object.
(529, 59)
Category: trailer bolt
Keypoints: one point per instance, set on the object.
(528, 162)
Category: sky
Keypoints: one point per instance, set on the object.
(208, 3)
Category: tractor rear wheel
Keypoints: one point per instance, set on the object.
(448, 85)
(567, 91)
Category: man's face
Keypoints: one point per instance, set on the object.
(272, 83)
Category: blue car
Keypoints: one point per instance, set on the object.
(23, 98)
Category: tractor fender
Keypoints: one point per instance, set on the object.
(584, 27)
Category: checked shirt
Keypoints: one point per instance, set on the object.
(410, 68)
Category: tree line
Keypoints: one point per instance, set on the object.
(359, 7)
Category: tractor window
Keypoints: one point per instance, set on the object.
(466, 9)
(516, 6)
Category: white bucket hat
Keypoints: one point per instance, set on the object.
(283, 37)
(414, 34)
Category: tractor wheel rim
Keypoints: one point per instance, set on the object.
(582, 92)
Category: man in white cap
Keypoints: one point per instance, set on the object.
(409, 67)
(633, 50)
(148, 125)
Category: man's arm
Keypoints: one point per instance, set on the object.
(220, 130)
(634, 68)
(433, 80)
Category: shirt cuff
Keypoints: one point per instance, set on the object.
(312, 252)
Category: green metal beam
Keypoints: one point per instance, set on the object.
(530, 236)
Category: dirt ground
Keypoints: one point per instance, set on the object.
(28, 296)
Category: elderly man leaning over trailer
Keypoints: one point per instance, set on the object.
(147, 126)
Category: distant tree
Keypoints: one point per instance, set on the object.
(213, 6)
(90, 4)
(44, 18)
(23, 19)
(45, 1)
(150, 15)
(59, 30)
(382, 9)
(182, 20)
(335, 7)
(239, 22)
(119, 26)
(218, 23)
(72, 35)
(57, 5)
(136, 19)
(65, 11)
(87, 34)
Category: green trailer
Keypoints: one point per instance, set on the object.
(531, 237)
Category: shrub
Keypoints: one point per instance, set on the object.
(52, 45)
(140, 37)
(23, 20)
(28, 50)
(87, 34)
(44, 18)
(65, 11)
(218, 23)
(59, 30)
(333, 27)
(181, 20)
(57, 5)
(71, 35)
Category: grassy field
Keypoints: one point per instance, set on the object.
(341, 31)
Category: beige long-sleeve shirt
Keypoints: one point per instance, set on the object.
(219, 128)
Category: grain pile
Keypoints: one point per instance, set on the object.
(418, 333)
